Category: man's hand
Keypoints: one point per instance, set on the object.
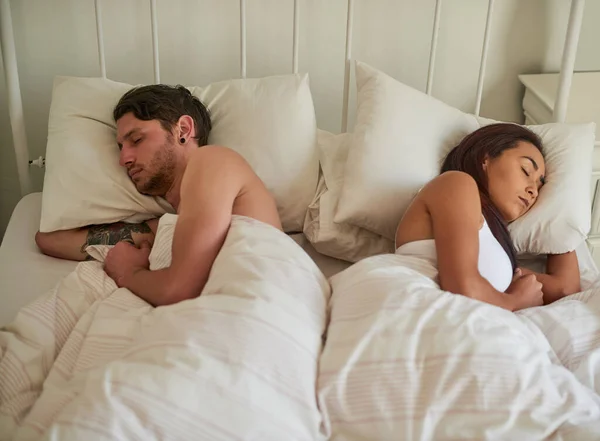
(124, 260)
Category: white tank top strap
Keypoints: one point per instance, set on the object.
(493, 263)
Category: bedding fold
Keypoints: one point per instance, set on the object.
(406, 360)
(91, 361)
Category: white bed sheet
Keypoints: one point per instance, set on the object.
(25, 273)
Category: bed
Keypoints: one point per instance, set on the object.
(317, 333)
(20, 259)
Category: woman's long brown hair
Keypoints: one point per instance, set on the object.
(468, 156)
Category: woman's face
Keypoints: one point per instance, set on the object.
(515, 178)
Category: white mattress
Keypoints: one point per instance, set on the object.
(25, 273)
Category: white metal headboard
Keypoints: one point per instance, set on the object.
(15, 103)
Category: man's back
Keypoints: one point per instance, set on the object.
(217, 171)
(215, 184)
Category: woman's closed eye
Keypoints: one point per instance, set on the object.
(525, 171)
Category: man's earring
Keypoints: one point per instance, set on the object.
(182, 140)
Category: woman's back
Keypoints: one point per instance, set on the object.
(444, 223)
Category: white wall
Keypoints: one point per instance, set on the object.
(199, 43)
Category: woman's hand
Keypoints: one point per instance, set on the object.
(525, 291)
(524, 272)
(562, 276)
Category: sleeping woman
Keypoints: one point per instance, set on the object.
(459, 220)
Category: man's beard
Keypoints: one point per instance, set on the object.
(162, 169)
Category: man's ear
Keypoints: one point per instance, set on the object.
(185, 129)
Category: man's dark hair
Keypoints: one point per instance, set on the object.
(166, 104)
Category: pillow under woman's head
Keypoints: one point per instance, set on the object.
(507, 163)
(402, 136)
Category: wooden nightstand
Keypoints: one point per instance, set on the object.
(583, 106)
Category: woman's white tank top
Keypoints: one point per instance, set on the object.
(494, 264)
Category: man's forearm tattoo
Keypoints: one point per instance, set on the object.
(111, 234)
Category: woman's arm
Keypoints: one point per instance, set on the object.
(453, 202)
(562, 276)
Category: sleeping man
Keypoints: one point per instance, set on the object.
(159, 131)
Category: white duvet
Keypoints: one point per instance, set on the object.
(404, 360)
(88, 361)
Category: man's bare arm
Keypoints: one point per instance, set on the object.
(207, 197)
(71, 244)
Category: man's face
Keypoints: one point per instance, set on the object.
(148, 154)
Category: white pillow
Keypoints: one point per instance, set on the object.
(269, 121)
(400, 139)
(342, 241)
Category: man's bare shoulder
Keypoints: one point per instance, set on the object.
(218, 164)
(223, 175)
(214, 172)
(210, 155)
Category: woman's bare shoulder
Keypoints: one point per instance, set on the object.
(453, 179)
(452, 188)
(450, 184)
(452, 191)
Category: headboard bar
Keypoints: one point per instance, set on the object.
(295, 47)
(433, 50)
(15, 103)
(155, 41)
(568, 60)
(484, 54)
(100, 34)
(243, 38)
(348, 62)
